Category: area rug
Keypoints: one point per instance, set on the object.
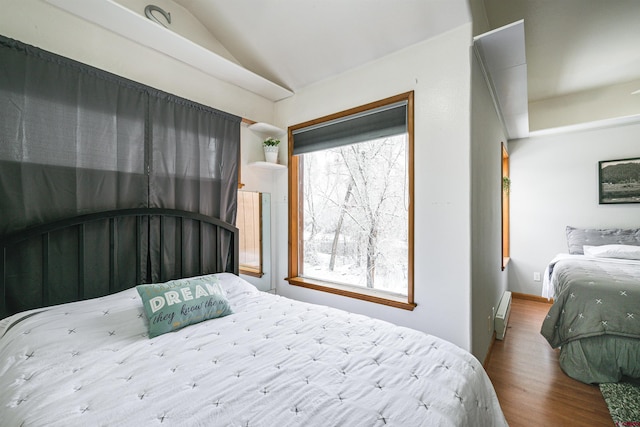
(623, 400)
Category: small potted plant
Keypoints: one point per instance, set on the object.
(270, 146)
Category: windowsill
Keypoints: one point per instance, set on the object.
(375, 296)
(505, 262)
(253, 273)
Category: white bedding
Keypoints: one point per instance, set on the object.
(274, 362)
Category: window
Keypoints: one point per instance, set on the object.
(506, 188)
(249, 223)
(350, 203)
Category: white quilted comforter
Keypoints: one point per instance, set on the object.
(274, 362)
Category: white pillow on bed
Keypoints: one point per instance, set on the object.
(613, 251)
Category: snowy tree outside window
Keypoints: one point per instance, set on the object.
(356, 214)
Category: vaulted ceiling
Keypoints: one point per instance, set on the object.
(583, 60)
(574, 45)
(296, 43)
(583, 56)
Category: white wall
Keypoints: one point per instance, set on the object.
(37, 23)
(586, 106)
(182, 22)
(489, 281)
(264, 181)
(555, 184)
(438, 70)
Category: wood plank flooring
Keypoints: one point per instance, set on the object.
(531, 387)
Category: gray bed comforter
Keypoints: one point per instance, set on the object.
(593, 297)
(595, 317)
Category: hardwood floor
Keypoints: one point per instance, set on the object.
(531, 387)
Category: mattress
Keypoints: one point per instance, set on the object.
(273, 362)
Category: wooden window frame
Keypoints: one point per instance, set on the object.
(296, 225)
(506, 254)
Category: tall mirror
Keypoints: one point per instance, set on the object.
(254, 222)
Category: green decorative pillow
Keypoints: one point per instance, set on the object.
(178, 303)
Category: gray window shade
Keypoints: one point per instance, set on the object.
(381, 122)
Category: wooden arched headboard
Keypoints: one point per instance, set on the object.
(101, 253)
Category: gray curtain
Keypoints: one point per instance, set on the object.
(191, 161)
(75, 140)
(72, 139)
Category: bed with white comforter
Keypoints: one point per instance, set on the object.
(273, 362)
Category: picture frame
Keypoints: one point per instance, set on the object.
(619, 181)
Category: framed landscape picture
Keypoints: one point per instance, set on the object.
(619, 181)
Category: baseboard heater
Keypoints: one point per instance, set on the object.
(502, 315)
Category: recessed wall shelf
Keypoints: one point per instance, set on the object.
(266, 129)
(267, 165)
